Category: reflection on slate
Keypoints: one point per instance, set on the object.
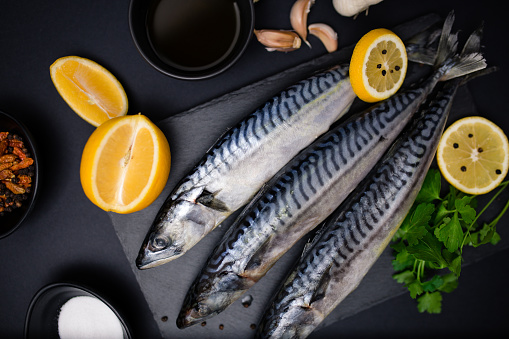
(190, 135)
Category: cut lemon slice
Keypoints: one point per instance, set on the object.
(125, 164)
(89, 89)
(473, 155)
(378, 65)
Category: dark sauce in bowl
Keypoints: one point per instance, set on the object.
(193, 34)
(191, 39)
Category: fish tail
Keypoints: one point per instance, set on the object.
(452, 65)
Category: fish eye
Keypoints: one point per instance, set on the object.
(160, 242)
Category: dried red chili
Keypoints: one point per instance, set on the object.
(17, 151)
(22, 164)
(5, 165)
(6, 174)
(14, 188)
(16, 143)
(7, 158)
(16, 171)
(3, 146)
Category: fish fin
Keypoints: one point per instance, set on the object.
(473, 44)
(420, 47)
(209, 200)
(314, 237)
(321, 288)
(465, 65)
(448, 43)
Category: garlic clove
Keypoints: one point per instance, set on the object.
(299, 17)
(278, 40)
(326, 34)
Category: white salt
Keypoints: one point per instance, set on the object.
(87, 317)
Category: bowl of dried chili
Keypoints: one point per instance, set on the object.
(18, 174)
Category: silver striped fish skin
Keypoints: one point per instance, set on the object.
(245, 157)
(354, 236)
(296, 200)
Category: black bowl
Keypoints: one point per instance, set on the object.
(138, 11)
(10, 221)
(42, 316)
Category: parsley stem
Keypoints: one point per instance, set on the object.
(501, 214)
(420, 270)
(502, 186)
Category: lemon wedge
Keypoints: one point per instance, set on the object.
(89, 89)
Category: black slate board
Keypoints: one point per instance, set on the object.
(190, 134)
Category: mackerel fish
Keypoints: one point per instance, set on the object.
(249, 154)
(246, 157)
(301, 195)
(354, 236)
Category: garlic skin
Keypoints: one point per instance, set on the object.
(353, 7)
(278, 40)
(326, 34)
(299, 17)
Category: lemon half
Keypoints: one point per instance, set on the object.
(473, 155)
(125, 164)
(378, 65)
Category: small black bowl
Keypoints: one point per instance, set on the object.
(10, 221)
(138, 24)
(42, 316)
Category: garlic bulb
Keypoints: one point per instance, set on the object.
(352, 7)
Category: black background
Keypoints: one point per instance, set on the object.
(66, 238)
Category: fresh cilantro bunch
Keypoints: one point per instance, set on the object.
(429, 244)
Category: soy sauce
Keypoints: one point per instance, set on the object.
(193, 34)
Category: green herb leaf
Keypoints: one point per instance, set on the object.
(429, 249)
(450, 233)
(430, 189)
(453, 261)
(441, 212)
(403, 260)
(405, 277)
(467, 213)
(450, 282)
(496, 238)
(415, 289)
(430, 302)
(433, 284)
(414, 226)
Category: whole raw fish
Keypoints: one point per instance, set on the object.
(249, 154)
(246, 157)
(355, 235)
(300, 197)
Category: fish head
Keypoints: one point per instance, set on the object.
(296, 321)
(176, 229)
(210, 296)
